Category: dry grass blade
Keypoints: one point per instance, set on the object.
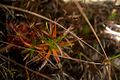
(35, 72)
(26, 56)
(27, 73)
(78, 60)
(3, 49)
(1, 33)
(5, 72)
(91, 27)
(44, 63)
(34, 59)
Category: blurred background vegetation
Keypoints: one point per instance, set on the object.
(53, 40)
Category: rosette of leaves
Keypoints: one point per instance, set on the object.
(51, 43)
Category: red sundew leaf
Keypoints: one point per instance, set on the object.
(23, 27)
(54, 31)
(55, 54)
(32, 35)
(25, 38)
(70, 43)
(13, 27)
(25, 43)
(48, 54)
(29, 45)
(42, 47)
